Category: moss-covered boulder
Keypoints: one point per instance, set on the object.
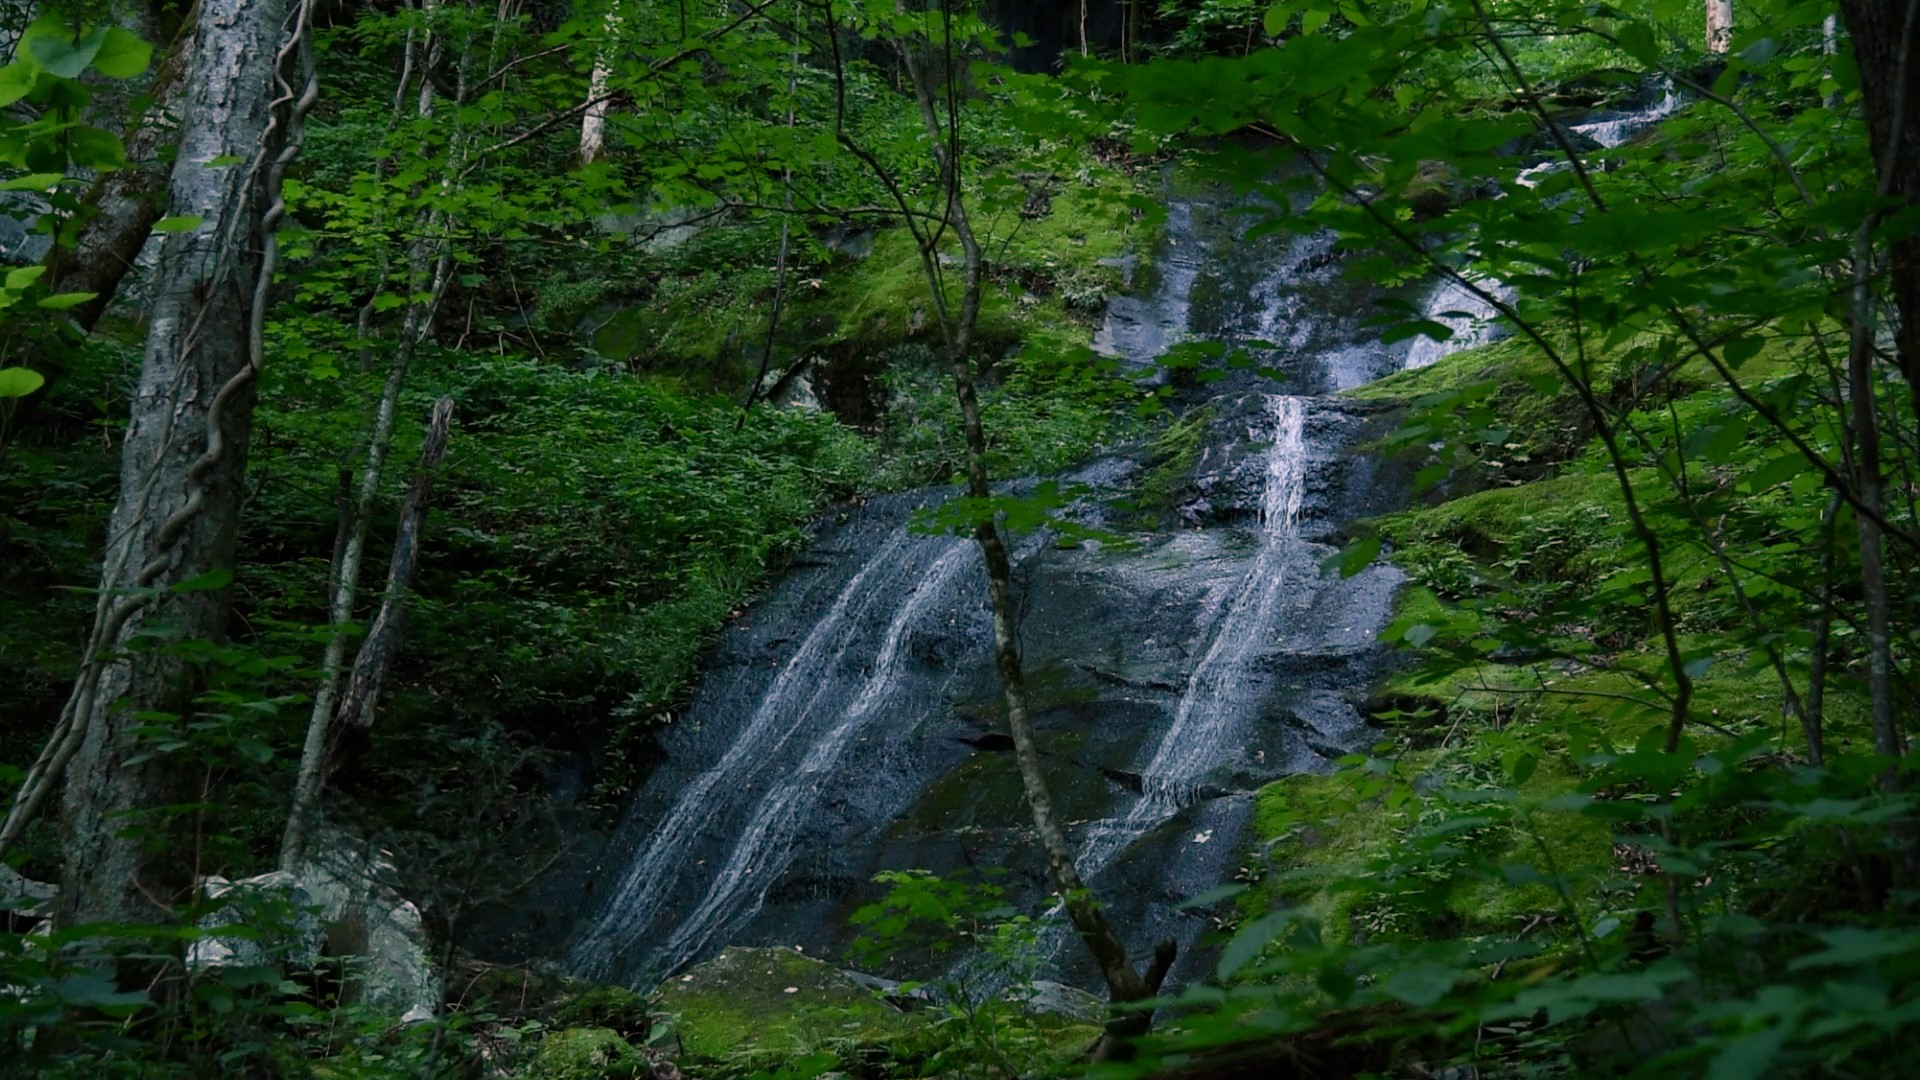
(587, 1054)
(775, 999)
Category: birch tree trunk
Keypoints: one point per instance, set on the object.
(1719, 25)
(593, 123)
(183, 462)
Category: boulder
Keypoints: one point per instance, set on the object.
(343, 903)
(1048, 998)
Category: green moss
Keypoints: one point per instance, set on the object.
(586, 1054)
(776, 1000)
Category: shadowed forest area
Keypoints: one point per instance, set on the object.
(778, 539)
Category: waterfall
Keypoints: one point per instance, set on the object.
(1225, 684)
(1203, 662)
(1612, 129)
(1471, 318)
(799, 698)
(763, 850)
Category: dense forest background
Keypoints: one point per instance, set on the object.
(396, 400)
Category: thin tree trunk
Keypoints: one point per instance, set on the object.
(1882, 35)
(428, 264)
(183, 460)
(1125, 984)
(382, 643)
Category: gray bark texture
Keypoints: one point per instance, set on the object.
(182, 467)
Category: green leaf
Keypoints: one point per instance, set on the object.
(1355, 557)
(181, 223)
(23, 276)
(122, 54)
(224, 160)
(16, 82)
(1211, 897)
(18, 382)
(1312, 21)
(1749, 1055)
(1422, 984)
(1276, 19)
(1250, 941)
(33, 182)
(57, 51)
(1419, 634)
(64, 301)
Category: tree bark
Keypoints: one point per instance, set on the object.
(1882, 36)
(382, 643)
(429, 262)
(593, 123)
(1719, 25)
(183, 464)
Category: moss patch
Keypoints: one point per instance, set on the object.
(776, 1000)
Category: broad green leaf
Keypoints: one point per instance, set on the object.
(122, 54)
(1250, 941)
(58, 52)
(1750, 1055)
(1355, 557)
(23, 276)
(18, 382)
(1421, 984)
(16, 82)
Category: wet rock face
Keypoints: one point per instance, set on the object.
(852, 722)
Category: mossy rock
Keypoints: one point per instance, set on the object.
(774, 999)
(587, 1054)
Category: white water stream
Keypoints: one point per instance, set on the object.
(789, 702)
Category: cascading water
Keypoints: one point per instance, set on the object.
(809, 702)
(852, 722)
(1224, 685)
(1471, 319)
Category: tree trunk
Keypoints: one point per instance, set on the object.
(1882, 35)
(593, 124)
(429, 260)
(382, 643)
(182, 467)
(1719, 25)
(1124, 982)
